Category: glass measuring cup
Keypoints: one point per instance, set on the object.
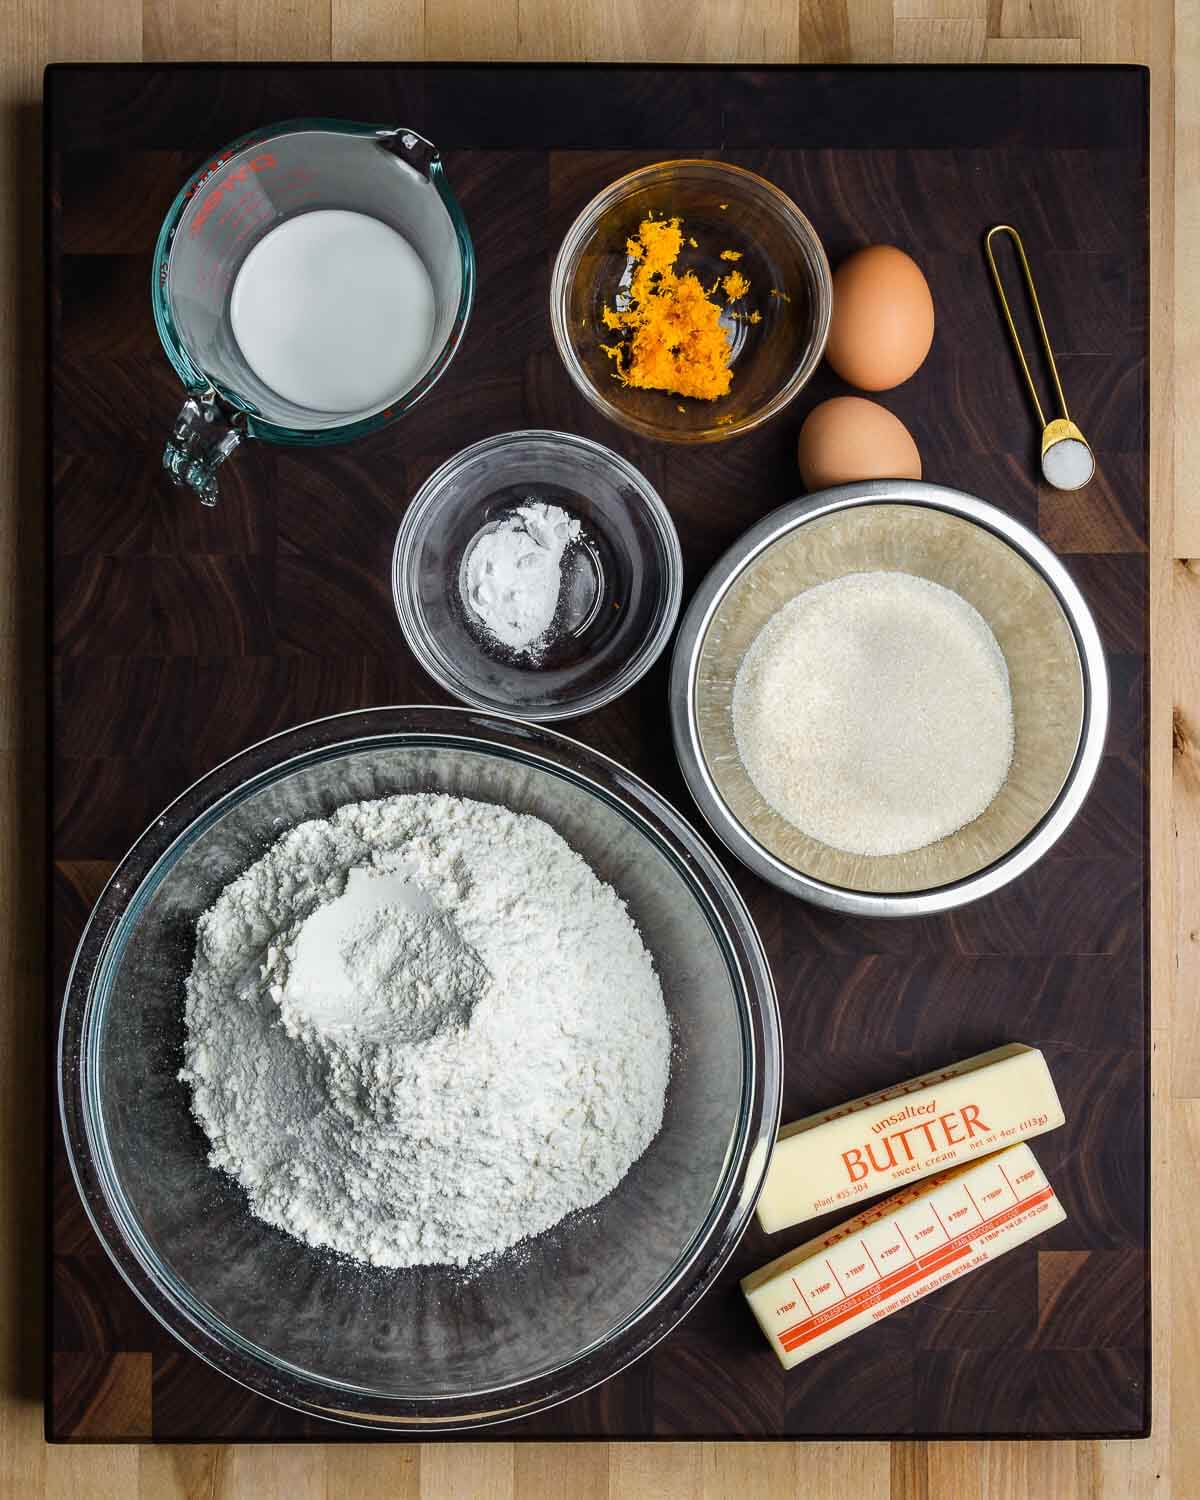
(230, 204)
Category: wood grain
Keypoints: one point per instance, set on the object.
(1169, 1464)
(182, 637)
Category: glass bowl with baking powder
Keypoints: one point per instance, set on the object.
(430, 1347)
(537, 574)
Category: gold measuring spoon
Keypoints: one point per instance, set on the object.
(1067, 460)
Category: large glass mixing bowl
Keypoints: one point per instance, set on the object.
(430, 1348)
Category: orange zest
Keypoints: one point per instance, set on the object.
(671, 334)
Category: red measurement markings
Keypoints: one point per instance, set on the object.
(919, 1273)
(214, 199)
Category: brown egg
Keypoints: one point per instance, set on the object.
(882, 323)
(851, 438)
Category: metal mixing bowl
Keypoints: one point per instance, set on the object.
(431, 1348)
(1039, 618)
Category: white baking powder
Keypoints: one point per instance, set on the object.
(513, 574)
(422, 1030)
(874, 713)
(1068, 464)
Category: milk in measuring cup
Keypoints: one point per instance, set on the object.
(334, 310)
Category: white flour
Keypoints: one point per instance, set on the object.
(513, 574)
(423, 1030)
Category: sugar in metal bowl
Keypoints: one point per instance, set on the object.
(1055, 660)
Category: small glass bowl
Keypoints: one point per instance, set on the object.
(622, 581)
(722, 208)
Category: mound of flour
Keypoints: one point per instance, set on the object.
(422, 1030)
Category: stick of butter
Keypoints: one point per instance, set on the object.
(899, 1251)
(926, 1125)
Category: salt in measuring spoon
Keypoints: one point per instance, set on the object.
(1067, 460)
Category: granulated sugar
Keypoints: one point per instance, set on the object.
(874, 713)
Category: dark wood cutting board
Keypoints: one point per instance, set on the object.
(180, 635)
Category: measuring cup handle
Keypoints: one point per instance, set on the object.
(201, 439)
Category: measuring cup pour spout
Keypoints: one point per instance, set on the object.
(311, 282)
(412, 148)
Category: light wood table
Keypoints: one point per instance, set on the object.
(34, 32)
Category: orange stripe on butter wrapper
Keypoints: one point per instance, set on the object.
(900, 1251)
